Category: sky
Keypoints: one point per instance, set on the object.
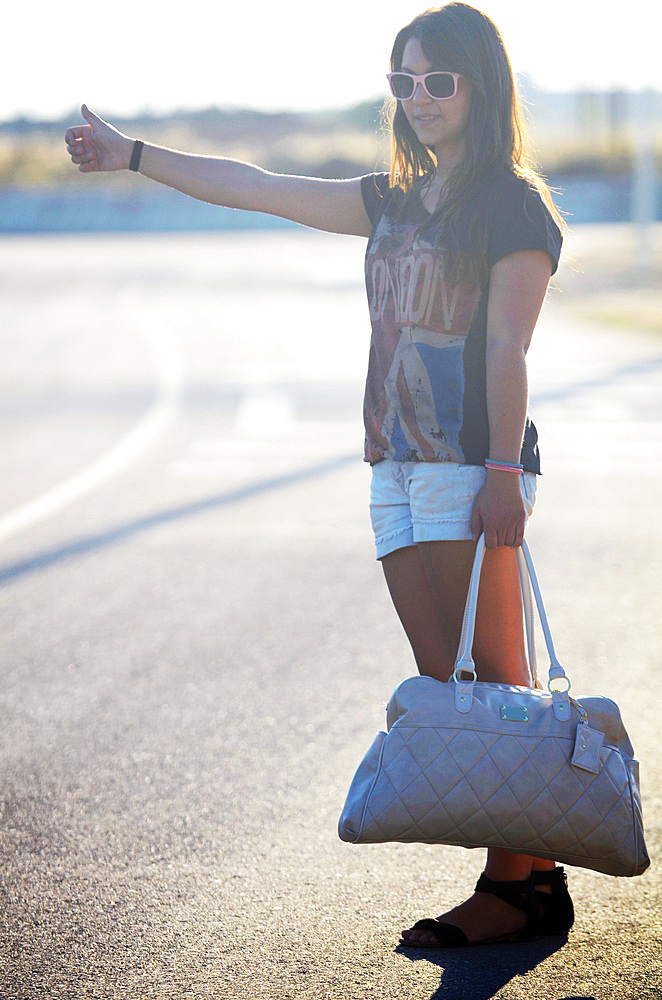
(135, 55)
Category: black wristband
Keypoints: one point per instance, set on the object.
(135, 155)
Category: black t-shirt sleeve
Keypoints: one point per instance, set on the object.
(374, 189)
(521, 221)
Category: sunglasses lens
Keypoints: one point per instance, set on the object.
(402, 86)
(440, 85)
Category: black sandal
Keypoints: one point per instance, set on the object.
(520, 894)
(557, 914)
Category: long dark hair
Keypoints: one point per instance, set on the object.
(461, 39)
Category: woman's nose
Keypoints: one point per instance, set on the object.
(420, 94)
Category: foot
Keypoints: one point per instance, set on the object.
(482, 917)
(556, 910)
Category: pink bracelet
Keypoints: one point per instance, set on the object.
(499, 466)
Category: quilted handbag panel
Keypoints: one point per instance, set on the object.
(480, 781)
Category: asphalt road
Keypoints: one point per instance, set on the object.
(197, 645)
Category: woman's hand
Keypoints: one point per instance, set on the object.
(97, 145)
(499, 511)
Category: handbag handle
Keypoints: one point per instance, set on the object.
(464, 661)
(527, 603)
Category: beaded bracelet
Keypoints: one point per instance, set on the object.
(499, 466)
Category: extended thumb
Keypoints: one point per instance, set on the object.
(88, 115)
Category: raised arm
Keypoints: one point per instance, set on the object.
(332, 205)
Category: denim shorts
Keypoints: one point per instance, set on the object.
(414, 502)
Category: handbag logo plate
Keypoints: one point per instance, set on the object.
(514, 713)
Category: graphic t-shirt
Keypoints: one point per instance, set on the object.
(425, 397)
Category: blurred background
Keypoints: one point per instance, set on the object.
(299, 89)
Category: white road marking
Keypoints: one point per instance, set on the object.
(168, 364)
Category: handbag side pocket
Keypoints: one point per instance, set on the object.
(351, 819)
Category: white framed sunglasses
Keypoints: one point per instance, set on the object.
(437, 84)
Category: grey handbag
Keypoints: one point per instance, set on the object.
(476, 764)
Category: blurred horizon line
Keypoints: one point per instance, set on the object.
(527, 87)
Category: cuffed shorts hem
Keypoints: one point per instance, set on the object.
(430, 531)
(398, 539)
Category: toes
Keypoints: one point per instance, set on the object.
(419, 937)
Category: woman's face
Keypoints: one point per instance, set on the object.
(438, 124)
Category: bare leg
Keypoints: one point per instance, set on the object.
(428, 584)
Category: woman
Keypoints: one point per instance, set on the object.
(462, 243)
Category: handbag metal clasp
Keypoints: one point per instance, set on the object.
(464, 689)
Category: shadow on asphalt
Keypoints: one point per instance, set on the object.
(81, 546)
(574, 389)
(480, 973)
